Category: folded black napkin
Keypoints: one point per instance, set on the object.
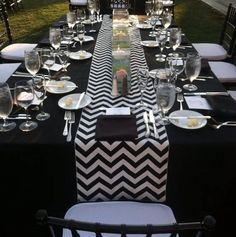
(222, 105)
(205, 67)
(116, 127)
(44, 42)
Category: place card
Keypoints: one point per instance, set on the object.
(118, 111)
(197, 102)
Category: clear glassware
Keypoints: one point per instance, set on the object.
(55, 37)
(81, 15)
(91, 5)
(161, 38)
(32, 61)
(71, 19)
(98, 10)
(67, 35)
(192, 70)
(63, 56)
(158, 7)
(40, 93)
(48, 59)
(165, 94)
(92, 18)
(175, 40)
(6, 105)
(153, 21)
(148, 8)
(24, 95)
(142, 80)
(166, 19)
(80, 34)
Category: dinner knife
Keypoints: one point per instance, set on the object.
(145, 118)
(79, 100)
(152, 120)
(208, 93)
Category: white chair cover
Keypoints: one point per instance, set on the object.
(225, 72)
(6, 70)
(120, 212)
(210, 51)
(16, 51)
(78, 2)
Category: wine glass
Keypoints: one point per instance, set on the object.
(67, 35)
(148, 8)
(48, 59)
(55, 37)
(158, 7)
(63, 56)
(166, 19)
(192, 70)
(165, 95)
(71, 19)
(142, 76)
(24, 95)
(32, 61)
(98, 10)
(161, 38)
(175, 39)
(91, 5)
(92, 19)
(80, 14)
(80, 33)
(40, 92)
(153, 21)
(6, 105)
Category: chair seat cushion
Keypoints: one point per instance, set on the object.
(6, 70)
(225, 72)
(210, 51)
(78, 2)
(16, 51)
(120, 212)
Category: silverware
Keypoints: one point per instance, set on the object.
(208, 93)
(145, 118)
(71, 121)
(197, 79)
(19, 117)
(152, 120)
(216, 124)
(180, 99)
(67, 117)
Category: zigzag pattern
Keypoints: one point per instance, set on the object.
(131, 170)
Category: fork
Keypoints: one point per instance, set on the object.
(71, 121)
(218, 125)
(180, 99)
(67, 117)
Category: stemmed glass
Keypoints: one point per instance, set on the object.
(55, 37)
(161, 38)
(80, 15)
(24, 95)
(165, 94)
(166, 19)
(92, 19)
(142, 76)
(98, 10)
(63, 58)
(48, 59)
(148, 8)
(6, 105)
(91, 5)
(192, 70)
(67, 35)
(153, 22)
(71, 19)
(175, 39)
(158, 7)
(40, 92)
(80, 33)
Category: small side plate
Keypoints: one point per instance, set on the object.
(149, 43)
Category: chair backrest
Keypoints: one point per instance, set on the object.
(123, 230)
(228, 34)
(5, 32)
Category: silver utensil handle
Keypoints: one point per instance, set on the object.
(181, 106)
(68, 138)
(147, 134)
(155, 131)
(65, 131)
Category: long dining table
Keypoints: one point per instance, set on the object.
(38, 168)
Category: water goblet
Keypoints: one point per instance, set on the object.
(192, 70)
(48, 59)
(158, 7)
(40, 93)
(80, 15)
(175, 40)
(55, 37)
(148, 8)
(142, 80)
(71, 19)
(92, 20)
(166, 19)
(67, 35)
(63, 56)
(153, 21)
(165, 95)
(98, 10)
(6, 105)
(24, 95)
(80, 33)
(161, 38)
(91, 5)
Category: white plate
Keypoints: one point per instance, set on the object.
(144, 26)
(88, 22)
(86, 38)
(187, 123)
(149, 43)
(70, 102)
(60, 87)
(153, 72)
(80, 55)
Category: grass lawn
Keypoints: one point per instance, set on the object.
(199, 21)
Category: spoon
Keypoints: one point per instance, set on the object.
(180, 99)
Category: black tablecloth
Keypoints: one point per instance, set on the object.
(37, 168)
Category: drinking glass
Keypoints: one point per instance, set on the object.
(175, 39)
(6, 105)
(67, 35)
(63, 56)
(166, 19)
(91, 5)
(71, 19)
(158, 7)
(92, 19)
(80, 33)
(161, 38)
(24, 95)
(55, 37)
(80, 14)
(192, 70)
(165, 94)
(40, 92)
(48, 59)
(32, 61)
(142, 79)
(98, 10)
(153, 21)
(148, 8)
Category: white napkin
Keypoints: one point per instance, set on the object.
(56, 67)
(197, 102)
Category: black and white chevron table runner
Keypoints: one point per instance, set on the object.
(121, 170)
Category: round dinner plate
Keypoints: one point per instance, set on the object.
(70, 102)
(187, 123)
(60, 87)
(80, 55)
(144, 26)
(87, 38)
(149, 43)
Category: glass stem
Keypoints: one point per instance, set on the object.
(141, 100)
